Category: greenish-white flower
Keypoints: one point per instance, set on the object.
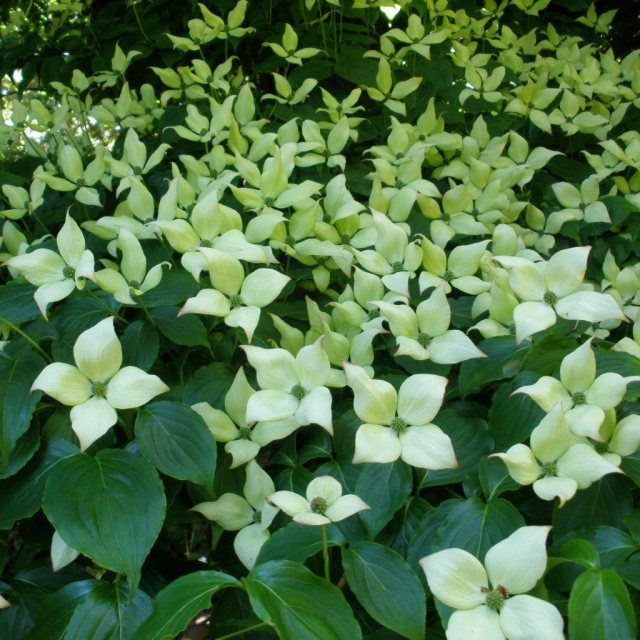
(323, 504)
(558, 462)
(56, 274)
(490, 600)
(554, 288)
(291, 386)
(583, 396)
(397, 424)
(236, 298)
(249, 516)
(98, 385)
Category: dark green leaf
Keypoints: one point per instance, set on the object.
(187, 331)
(107, 613)
(295, 542)
(512, 418)
(299, 604)
(386, 587)
(475, 526)
(22, 493)
(180, 602)
(547, 352)
(175, 287)
(110, 508)
(494, 478)
(581, 552)
(56, 611)
(600, 607)
(503, 360)
(606, 502)
(385, 488)
(17, 304)
(470, 440)
(24, 450)
(139, 345)
(209, 384)
(16, 400)
(176, 440)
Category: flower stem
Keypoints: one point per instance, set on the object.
(30, 340)
(325, 553)
(235, 634)
(115, 314)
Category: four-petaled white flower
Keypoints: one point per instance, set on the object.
(249, 516)
(98, 385)
(558, 462)
(500, 611)
(56, 275)
(584, 397)
(554, 288)
(324, 502)
(291, 386)
(398, 424)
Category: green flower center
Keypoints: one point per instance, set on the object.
(397, 266)
(99, 389)
(205, 243)
(550, 298)
(134, 284)
(495, 599)
(290, 240)
(235, 301)
(549, 469)
(398, 425)
(298, 392)
(268, 202)
(424, 340)
(601, 447)
(345, 238)
(446, 217)
(244, 433)
(257, 517)
(448, 276)
(69, 272)
(578, 398)
(319, 505)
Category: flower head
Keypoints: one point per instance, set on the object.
(489, 599)
(324, 502)
(98, 385)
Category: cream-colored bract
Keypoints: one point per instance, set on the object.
(98, 385)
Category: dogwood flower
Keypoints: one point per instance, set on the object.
(56, 275)
(98, 385)
(291, 386)
(235, 298)
(249, 516)
(398, 424)
(424, 334)
(553, 288)
(558, 462)
(324, 502)
(584, 397)
(500, 611)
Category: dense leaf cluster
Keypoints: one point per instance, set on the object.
(319, 317)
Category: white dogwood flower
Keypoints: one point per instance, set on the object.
(398, 424)
(324, 502)
(98, 385)
(500, 611)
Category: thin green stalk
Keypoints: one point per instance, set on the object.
(30, 340)
(135, 13)
(113, 313)
(235, 634)
(146, 311)
(325, 553)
